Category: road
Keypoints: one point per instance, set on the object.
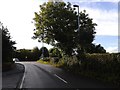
(38, 75)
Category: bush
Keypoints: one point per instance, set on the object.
(70, 63)
(46, 59)
(105, 67)
(54, 59)
(55, 52)
(102, 62)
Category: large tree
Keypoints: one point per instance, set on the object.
(44, 51)
(24, 54)
(56, 24)
(36, 53)
(7, 45)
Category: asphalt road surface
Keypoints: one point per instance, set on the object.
(46, 76)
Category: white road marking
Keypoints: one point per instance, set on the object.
(60, 78)
(23, 78)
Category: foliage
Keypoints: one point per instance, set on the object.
(31, 55)
(23, 54)
(103, 61)
(55, 52)
(44, 51)
(28, 54)
(92, 48)
(44, 61)
(70, 63)
(104, 67)
(36, 53)
(7, 45)
(100, 66)
(58, 22)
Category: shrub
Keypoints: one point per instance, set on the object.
(47, 59)
(70, 63)
(104, 66)
(54, 59)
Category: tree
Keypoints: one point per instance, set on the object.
(58, 22)
(92, 48)
(36, 53)
(28, 54)
(7, 45)
(24, 54)
(55, 52)
(44, 51)
(85, 36)
(99, 49)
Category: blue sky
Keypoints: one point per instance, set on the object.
(17, 16)
(100, 5)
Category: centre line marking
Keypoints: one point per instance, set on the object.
(60, 78)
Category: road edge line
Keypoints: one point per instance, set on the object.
(60, 78)
(20, 84)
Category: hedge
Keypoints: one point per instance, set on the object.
(105, 67)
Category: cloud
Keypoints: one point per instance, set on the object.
(98, 0)
(112, 49)
(107, 20)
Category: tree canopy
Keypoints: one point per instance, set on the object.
(44, 51)
(8, 47)
(28, 54)
(92, 48)
(57, 24)
(36, 53)
(55, 52)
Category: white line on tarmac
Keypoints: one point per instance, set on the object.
(23, 78)
(60, 78)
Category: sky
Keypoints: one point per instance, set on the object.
(18, 16)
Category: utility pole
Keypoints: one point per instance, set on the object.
(43, 46)
(78, 17)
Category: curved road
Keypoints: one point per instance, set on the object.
(46, 76)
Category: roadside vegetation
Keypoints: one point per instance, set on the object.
(56, 24)
(31, 54)
(8, 49)
(104, 67)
